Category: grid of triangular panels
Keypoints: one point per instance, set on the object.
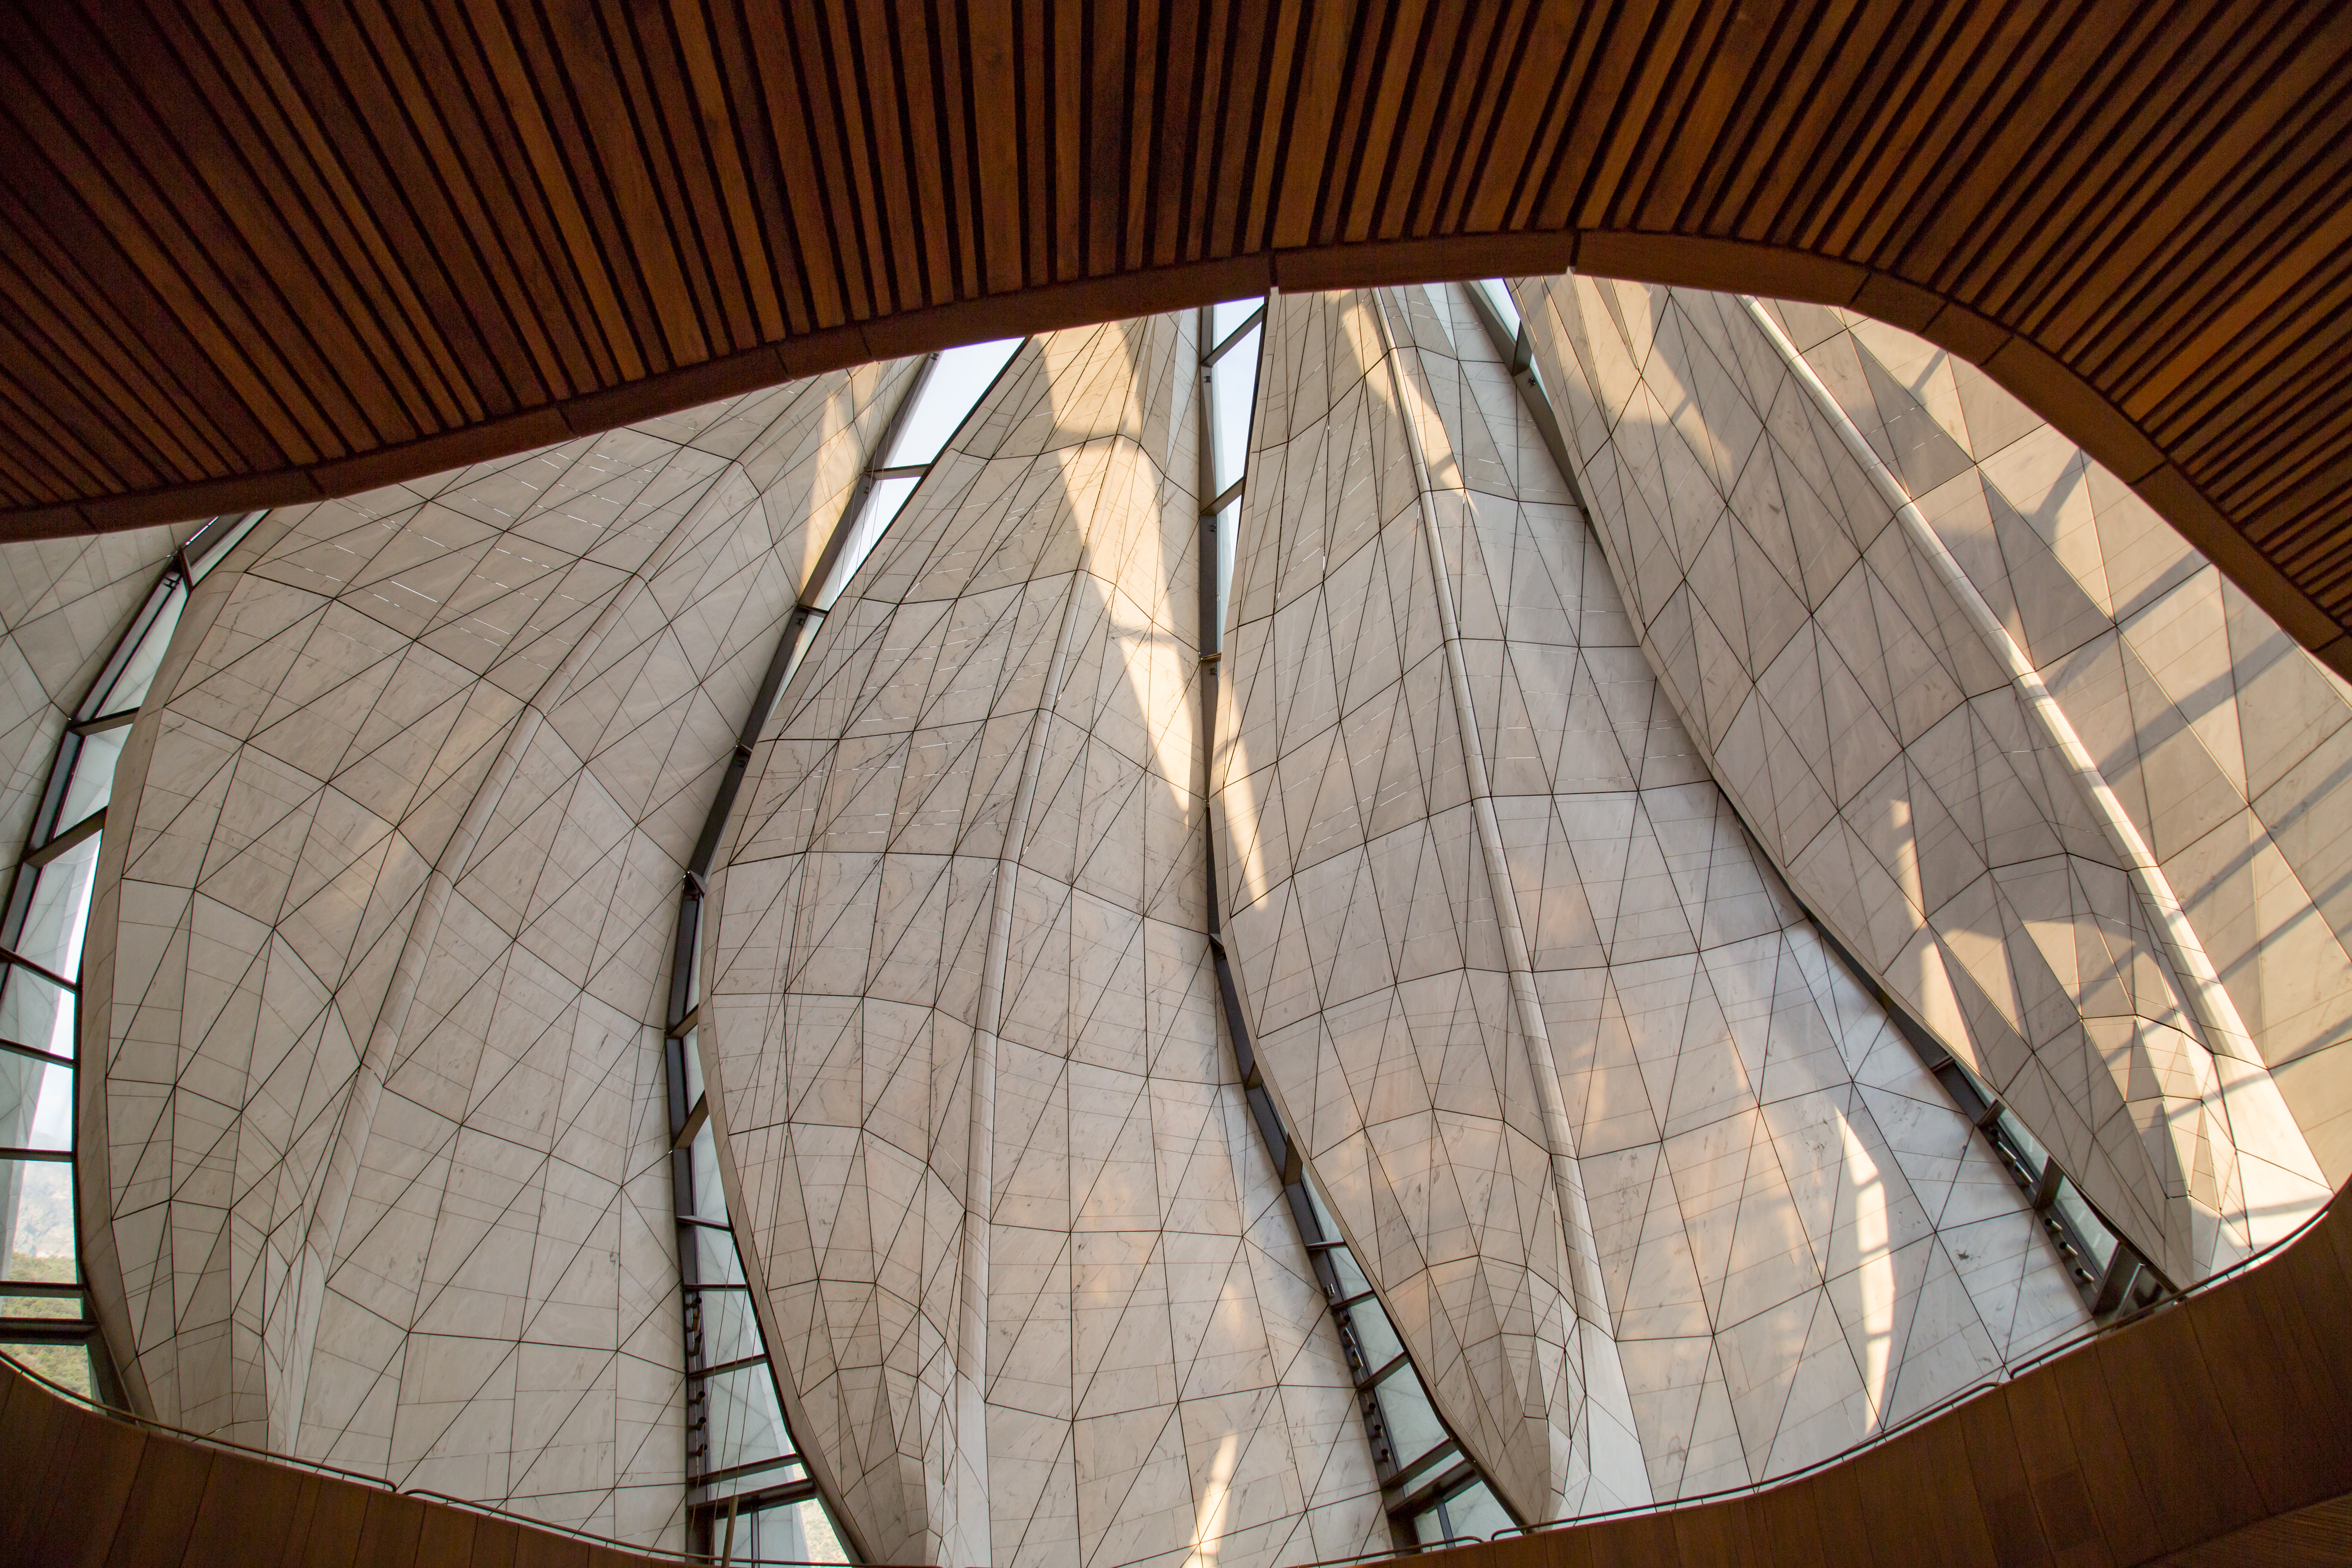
(1884, 757)
(749, 1484)
(386, 1112)
(959, 947)
(384, 1136)
(1433, 1489)
(1764, 1164)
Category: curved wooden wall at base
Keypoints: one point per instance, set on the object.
(262, 253)
(80, 1490)
(2207, 1417)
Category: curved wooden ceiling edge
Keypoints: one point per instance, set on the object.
(2037, 378)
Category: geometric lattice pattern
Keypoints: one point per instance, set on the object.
(386, 1146)
(1360, 917)
(1655, 1193)
(1040, 1293)
(1883, 753)
(1790, 1238)
(63, 605)
(2225, 742)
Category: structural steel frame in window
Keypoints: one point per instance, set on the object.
(42, 926)
(730, 1372)
(1425, 1486)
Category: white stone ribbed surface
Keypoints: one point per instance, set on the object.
(1897, 772)
(1793, 1236)
(970, 864)
(1648, 1183)
(384, 1147)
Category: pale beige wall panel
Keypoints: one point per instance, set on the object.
(379, 947)
(1072, 1323)
(1897, 770)
(1780, 1234)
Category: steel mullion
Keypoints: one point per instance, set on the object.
(103, 722)
(10, 956)
(2041, 1186)
(72, 837)
(1225, 345)
(766, 1497)
(51, 1057)
(1273, 1131)
(47, 1331)
(723, 1368)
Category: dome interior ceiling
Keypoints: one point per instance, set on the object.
(256, 258)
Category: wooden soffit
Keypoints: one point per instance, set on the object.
(259, 251)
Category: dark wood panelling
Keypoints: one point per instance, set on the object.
(88, 1489)
(2319, 1536)
(2208, 1431)
(258, 252)
(250, 1509)
(167, 1492)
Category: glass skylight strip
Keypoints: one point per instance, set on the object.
(947, 389)
(2113, 1277)
(47, 1319)
(750, 1493)
(1432, 1491)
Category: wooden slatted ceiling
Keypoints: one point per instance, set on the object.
(259, 251)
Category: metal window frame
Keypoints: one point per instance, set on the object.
(47, 842)
(1406, 1491)
(2121, 1287)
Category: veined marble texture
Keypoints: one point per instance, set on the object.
(1898, 770)
(1040, 1294)
(1648, 1184)
(378, 935)
(1780, 1235)
(63, 605)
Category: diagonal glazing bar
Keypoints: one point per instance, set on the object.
(1432, 1489)
(52, 1322)
(751, 1494)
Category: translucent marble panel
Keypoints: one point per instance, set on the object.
(374, 958)
(1037, 1289)
(1359, 914)
(1896, 770)
(1780, 1235)
(63, 604)
(1649, 1185)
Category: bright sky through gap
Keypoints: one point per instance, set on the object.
(956, 384)
(1234, 383)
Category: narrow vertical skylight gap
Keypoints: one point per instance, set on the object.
(1432, 1491)
(751, 1494)
(2113, 1277)
(47, 1319)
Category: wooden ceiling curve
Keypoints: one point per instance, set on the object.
(259, 251)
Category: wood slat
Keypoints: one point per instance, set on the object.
(257, 253)
(2205, 1432)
